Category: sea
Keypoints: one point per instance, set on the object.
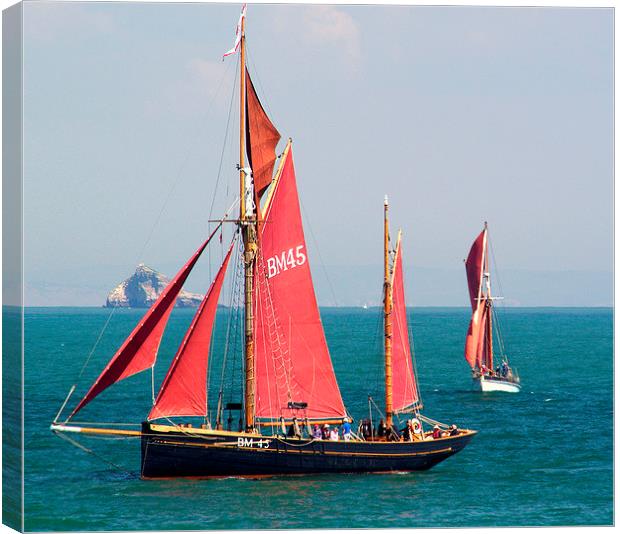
(543, 457)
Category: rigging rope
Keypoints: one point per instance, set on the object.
(496, 309)
(73, 387)
(219, 170)
(90, 451)
(221, 162)
(372, 379)
(277, 341)
(232, 323)
(184, 163)
(316, 244)
(149, 236)
(415, 365)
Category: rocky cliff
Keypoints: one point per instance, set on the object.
(142, 288)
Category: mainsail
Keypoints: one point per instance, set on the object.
(477, 345)
(404, 388)
(261, 140)
(292, 362)
(139, 351)
(183, 391)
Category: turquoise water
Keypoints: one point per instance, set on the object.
(543, 457)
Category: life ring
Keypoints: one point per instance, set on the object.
(416, 425)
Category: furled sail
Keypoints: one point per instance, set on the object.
(475, 342)
(183, 391)
(294, 373)
(139, 351)
(261, 140)
(404, 388)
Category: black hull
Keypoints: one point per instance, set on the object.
(186, 454)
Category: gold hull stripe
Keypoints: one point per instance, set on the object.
(301, 451)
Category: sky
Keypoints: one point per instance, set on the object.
(460, 114)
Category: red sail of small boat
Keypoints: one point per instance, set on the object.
(483, 326)
(404, 387)
(478, 343)
(139, 351)
(292, 362)
(183, 391)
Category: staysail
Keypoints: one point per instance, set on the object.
(476, 352)
(139, 351)
(294, 373)
(404, 388)
(183, 391)
(261, 140)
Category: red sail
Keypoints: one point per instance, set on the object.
(484, 349)
(292, 359)
(183, 391)
(261, 141)
(475, 341)
(474, 265)
(404, 389)
(139, 350)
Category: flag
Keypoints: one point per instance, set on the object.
(237, 34)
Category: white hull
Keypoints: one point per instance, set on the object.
(496, 384)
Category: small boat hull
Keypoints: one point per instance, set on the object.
(487, 384)
(168, 452)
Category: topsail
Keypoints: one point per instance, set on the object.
(261, 140)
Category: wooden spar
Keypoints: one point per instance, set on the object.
(276, 178)
(387, 314)
(94, 431)
(242, 124)
(249, 245)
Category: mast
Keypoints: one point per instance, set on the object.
(247, 221)
(387, 314)
(488, 300)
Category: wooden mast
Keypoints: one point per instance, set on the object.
(248, 227)
(387, 314)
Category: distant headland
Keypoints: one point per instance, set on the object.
(143, 288)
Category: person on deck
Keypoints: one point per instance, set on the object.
(316, 432)
(346, 429)
(411, 429)
(293, 429)
(325, 431)
(366, 428)
(407, 432)
(334, 435)
(436, 432)
(382, 430)
(504, 369)
(453, 430)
